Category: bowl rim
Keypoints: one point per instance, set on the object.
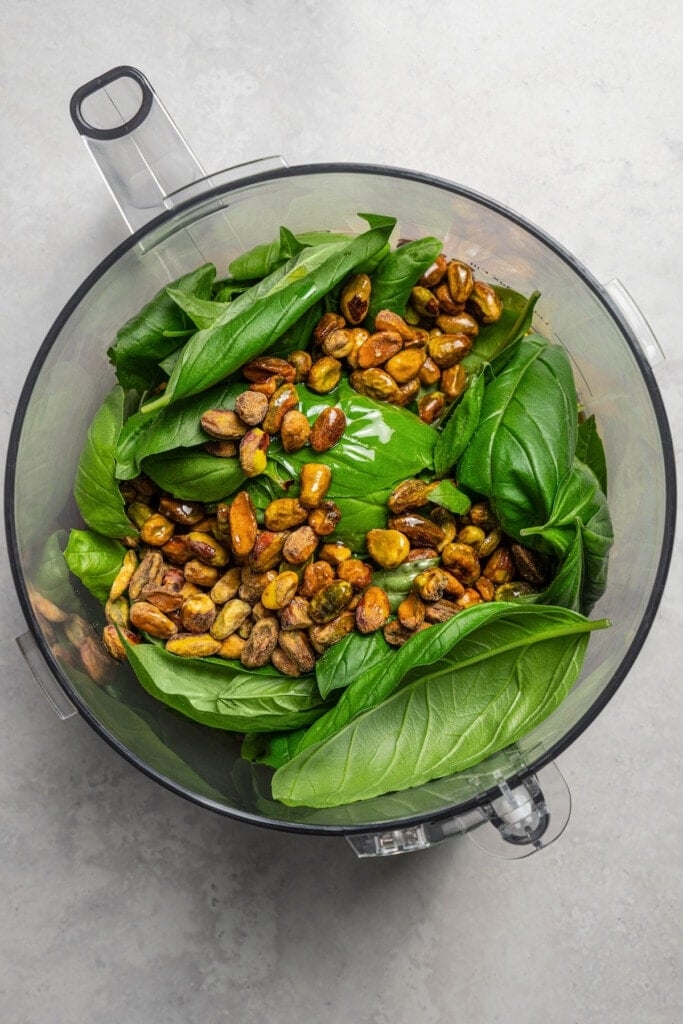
(603, 299)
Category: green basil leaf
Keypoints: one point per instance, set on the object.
(195, 475)
(346, 660)
(524, 444)
(566, 587)
(448, 496)
(213, 354)
(263, 259)
(95, 560)
(272, 749)
(591, 451)
(484, 697)
(96, 488)
(151, 334)
(202, 312)
(459, 428)
(176, 426)
(51, 577)
(222, 696)
(496, 341)
(381, 445)
(397, 274)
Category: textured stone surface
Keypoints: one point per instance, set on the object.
(121, 902)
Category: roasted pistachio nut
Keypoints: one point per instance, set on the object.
(328, 428)
(430, 406)
(448, 349)
(406, 365)
(327, 323)
(280, 591)
(253, 584)
(377, 348)
(484, 303)
(325, 519)
(446, 521)
(411, 612)
(334, 552)
(419, 530)
(229, 618)
(164, 599)
(470, 597)
(300, 545)
(454, 588)
(324, 375)
(185, 513)
(513, 590)
(296, 614)
(296, 645)
(253, 451)
(77, 629)
(284, 513)
(454, 381)
(94, 659)
(243, 525)
(285, 398)
(324, 634)
(264, 367)
(338, 343)
(231, 647)
(226, 586)
(245, 629)
(431, 583)
(355, 572)
(424, 302)
(481, 515)
(223, 424)
(373, 610)
(419, 554)
(485, 588)
(207, 549)
(387, 547)
(251, 407)
(113, 643)
(396, 634)
(283, 663)
(200, 573)
(460, 280)
(359, 336)
(124, 575)
(198, 613)
(302, 362)
(138, 512)
(429, 374)
(532, 566)
(221, 449)
(327, 603)
(458, 323)
(490, 542)
(375, 383)
(500, 566)
(261, 643)
(117, 611)
(315, 479)
(406, 393)
(267, 550)
(472, 535)
(157, 530)
(147, 617)
(441, 610)
(316, 576)
(445, 301)
(434, 274)
(193, 645)
(295, 430)
(268, 386)
(150, 570)
(462, 561)
(386, 320)
(409, 495)
(355, 298)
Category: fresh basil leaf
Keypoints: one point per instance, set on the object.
(459, 428)
(396, 275)
(566, 587)
(272, 749)
(448, 496)
(202, 312)
(346, 660)
(51, 576)
(95, 560)
(263, 259)
(151, 334)
(176, 426)
(495, 342)
(472, 704)
(524, 444)
(96, 488)
(194, 474)
(227, 289)
(213, 354)
(300, 334)
(223, 697)
(591, 451)
(381, 445)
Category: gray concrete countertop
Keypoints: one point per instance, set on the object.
(120, 901)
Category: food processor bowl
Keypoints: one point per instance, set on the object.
(517, 791)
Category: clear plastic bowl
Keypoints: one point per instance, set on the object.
(71, 375)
